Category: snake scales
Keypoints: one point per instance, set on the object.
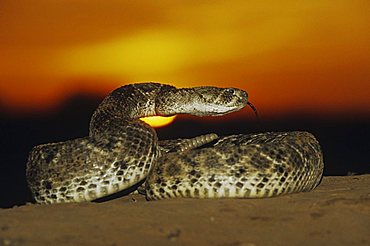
(122, 151)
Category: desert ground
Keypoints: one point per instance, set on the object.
(337, 212)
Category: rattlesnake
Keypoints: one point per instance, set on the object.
(121, 151)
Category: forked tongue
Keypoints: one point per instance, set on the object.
(254, 110)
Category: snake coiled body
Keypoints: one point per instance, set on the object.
(122, 151)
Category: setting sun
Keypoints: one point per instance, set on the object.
(158, 121)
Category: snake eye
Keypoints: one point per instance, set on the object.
(229, 94)
(231, 91)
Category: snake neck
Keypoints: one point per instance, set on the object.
(124, 106)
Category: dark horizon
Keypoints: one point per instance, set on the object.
(344, 138)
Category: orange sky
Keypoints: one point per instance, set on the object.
(289, 55)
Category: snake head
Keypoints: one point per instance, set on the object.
(210, 101)
(214, 101)
(200, 101)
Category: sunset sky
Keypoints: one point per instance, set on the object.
(309, 56)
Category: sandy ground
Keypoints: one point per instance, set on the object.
(336, 213)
